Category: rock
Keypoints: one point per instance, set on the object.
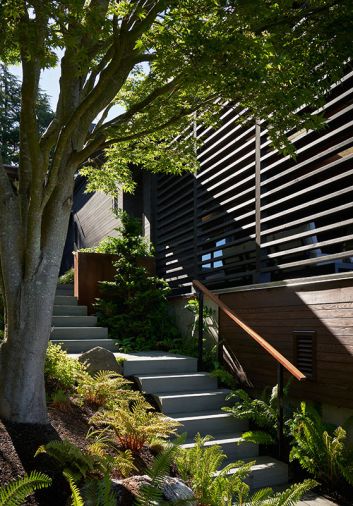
(176, 490)
(100, 359)
(126, 490)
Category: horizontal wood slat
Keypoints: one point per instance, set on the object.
(300, 225)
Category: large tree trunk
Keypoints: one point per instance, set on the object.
(28, 300)
(22, 392)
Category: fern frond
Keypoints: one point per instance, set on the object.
(258, 437)
(293, 494)
(16, 492)
(76, 498)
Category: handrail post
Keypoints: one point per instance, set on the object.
(200, 336)
(280, 410)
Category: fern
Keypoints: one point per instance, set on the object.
(133, 426)
(258, 437)
(321, 451)
(151, 494)
(99, 492)
(292, 495)
(76, 498)
(16, 492)
(263, 412)
(105, 388)
(77, 463)
(200, 466)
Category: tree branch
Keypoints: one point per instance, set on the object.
(139, 106)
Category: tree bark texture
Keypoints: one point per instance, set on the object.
(28, 299)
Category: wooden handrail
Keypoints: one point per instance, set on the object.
(254, 335)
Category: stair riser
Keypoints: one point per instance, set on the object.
(138, 367)
(63, 310)
(213, 427)
(78, 346)
(65, 290)
(192, 404)
(270, 477)
(65, 300)
(192, 384)
(74, 321)
(79, 333)
(236, 452)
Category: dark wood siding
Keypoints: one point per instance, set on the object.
(252, 215)
(325, 309)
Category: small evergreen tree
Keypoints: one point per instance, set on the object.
(134, 306)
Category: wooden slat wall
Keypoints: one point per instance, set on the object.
(95, 220)
(277, 313)
(209, 226)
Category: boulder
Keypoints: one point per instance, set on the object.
(127, 490)
(100, 359)
(176, 490)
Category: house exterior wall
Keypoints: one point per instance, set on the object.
(321, 309)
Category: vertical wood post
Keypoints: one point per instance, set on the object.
(258, 200)
(280, 410)
(200, 336)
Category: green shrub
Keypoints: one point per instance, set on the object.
(135, 309)
(321, 449)
(61, 372)
(67, 278)
(262, 412)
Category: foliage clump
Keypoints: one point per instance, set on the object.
(105, 388)
(262, 412)
(61, 372)
(201, 468)
(132, 426)
(67, 278)
(322, 450)
(134, 306)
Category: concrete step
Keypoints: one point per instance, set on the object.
(65, 290)
(79, 333)
(267, 472)
(192, 382)
(231, 447)
(191, 401)
(156, 362)
(77, 346)
(66, 300)
(63, 310)
(74, 321)
(213, 423)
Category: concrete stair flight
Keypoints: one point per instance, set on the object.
(193, 399)
(73, 328)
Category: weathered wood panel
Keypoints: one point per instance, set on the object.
(276, 314)
(96, 220)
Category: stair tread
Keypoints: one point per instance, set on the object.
(262, 462)
(219, 440)
(200, 393)
(201, 414)
(173, 375)
(153, 356)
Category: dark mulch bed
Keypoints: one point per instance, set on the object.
(19, 442)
